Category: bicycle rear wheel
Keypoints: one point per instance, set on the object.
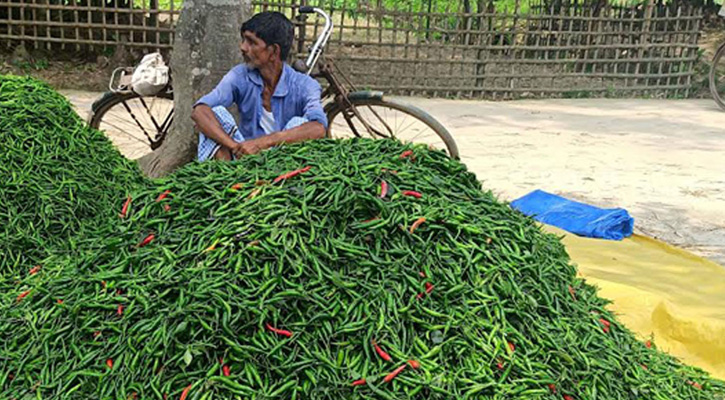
(146, 119)
(390, 119)
(717, 77)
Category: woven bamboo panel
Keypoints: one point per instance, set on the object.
(440, 48)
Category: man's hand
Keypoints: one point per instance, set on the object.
(246, 148)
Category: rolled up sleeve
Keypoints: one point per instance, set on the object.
(223, 93)
(312, 108)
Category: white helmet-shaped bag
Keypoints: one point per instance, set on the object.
(150, 76)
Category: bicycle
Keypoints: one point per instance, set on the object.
(717, 75)
(350, 113)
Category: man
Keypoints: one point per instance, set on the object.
(276, 103)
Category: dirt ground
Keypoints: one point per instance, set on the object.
(662, 160)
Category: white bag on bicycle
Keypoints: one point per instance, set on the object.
(150, 76)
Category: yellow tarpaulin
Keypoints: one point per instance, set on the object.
(661, 290)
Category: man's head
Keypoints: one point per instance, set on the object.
(266, 37)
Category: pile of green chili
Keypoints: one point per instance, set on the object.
(57, 176)
(353, 269)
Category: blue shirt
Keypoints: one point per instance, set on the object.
(296, 95)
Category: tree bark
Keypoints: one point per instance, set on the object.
(206, 47)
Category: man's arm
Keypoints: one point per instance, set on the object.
(307, 131)
(207, 124)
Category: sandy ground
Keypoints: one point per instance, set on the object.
(662, 160)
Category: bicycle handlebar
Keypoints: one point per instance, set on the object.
(321, 41)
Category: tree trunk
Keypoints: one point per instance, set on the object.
(206, 47)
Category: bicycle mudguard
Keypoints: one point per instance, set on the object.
(365, 95)
(96, 104)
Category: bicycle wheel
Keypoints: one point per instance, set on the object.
(390, 119)
(717, 77)
(145, 119)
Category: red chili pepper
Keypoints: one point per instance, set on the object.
(96, 334)
(167, 207)
(605, 324)
(552, 387)
(416, 224)
(163, 195)
(414, 364)
(59, 301)
(359, 382)
(119, 311)
(291, 174)
(147, 240)
(512, 347)
(572, 292)
(383, 189)
(279, 331)
(109, 362)
(412, 193)
(385, 356)
(124, 209)
(428, 287)
(694, 384)
(22, 295)
(237, 186)
(389, 377)
(185, 393)
(648, 344)
(34, 270)
(226, 370)
(406, 154)
(567, 397)
(499, 365)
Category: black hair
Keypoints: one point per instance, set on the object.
(273, 28)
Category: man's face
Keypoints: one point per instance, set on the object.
(256, 52)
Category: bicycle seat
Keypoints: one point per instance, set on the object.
(300, 66)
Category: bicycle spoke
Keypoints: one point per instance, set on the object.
(408, 126)
(153, 120)
(128, 109)
(382, 121)
(123, 131)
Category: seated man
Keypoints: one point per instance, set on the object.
(276, 103)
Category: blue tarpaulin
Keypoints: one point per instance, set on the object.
(578, 218)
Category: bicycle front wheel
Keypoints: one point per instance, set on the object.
(389, 119)
(717, 77)
(143, 119)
